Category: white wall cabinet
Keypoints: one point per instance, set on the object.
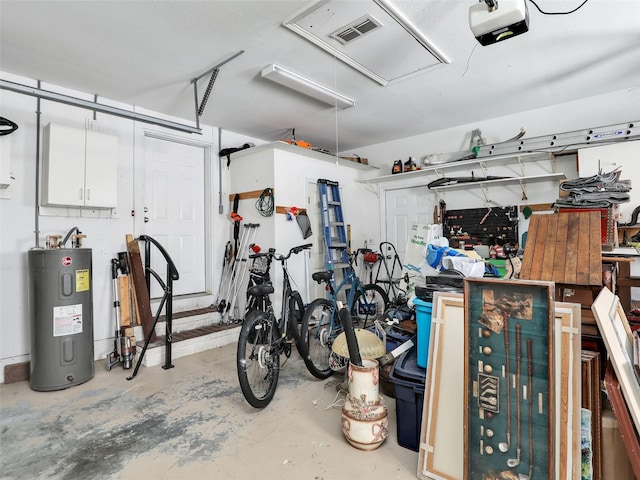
(80, 167)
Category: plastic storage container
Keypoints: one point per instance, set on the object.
(423, 321)
(408, 381)
(396, 338)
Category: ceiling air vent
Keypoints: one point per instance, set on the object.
(357, 29)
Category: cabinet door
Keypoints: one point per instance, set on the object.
(63, 166)
(101, 170)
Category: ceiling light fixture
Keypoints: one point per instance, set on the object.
(301, 84)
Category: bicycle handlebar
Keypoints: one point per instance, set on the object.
(295, 250)
(353, 256)
(270, 253)
(277, 256)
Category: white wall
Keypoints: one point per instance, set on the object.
(603, 110)
(105, 230)
(292, 172)
(106, 235)
(612, 108)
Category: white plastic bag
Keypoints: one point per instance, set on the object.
(469, 267)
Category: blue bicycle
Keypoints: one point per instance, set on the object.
(320, 322)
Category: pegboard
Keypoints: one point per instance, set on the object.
(487, 226)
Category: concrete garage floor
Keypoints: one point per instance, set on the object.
(188, 422)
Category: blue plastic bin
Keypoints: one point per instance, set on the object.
(408, 381)
(423, 322)
(395, 338)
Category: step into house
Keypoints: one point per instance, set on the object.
(194, 331)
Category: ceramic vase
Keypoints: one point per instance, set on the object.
(364, 414)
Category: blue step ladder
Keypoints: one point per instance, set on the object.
(333, 227)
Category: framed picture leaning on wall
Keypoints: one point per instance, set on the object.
(509, 381)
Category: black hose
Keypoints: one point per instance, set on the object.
(74, 229)
(352, 341)
(634, 219)
(7, 126)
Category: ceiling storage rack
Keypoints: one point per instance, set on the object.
(503, 165)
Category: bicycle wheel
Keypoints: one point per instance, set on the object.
(317, 337)
(257, 364)
(369, 304)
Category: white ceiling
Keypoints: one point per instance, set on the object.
(146, 53)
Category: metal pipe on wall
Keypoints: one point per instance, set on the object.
(37, 206)
(80, 103)
(220, 206)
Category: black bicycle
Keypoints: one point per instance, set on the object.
(263, 338)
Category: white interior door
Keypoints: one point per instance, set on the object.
(174, 203)
(403, 207)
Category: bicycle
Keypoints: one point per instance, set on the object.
(392, 276)
(263, 339)
(321, 324)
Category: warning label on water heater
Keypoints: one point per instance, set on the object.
(82, 280)
(67, 320)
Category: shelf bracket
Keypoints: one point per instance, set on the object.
(523, 186)
(372, 189)
(521, 164)
(485, 169)
(485, 193)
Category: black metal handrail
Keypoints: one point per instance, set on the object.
(166, 301)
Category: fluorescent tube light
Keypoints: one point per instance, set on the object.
(301, 84)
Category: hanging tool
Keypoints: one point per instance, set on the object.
(265, 203)
(236, 220)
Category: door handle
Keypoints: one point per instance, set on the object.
(146, 219)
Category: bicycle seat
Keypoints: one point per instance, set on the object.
(261, 290)
(322, 276)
